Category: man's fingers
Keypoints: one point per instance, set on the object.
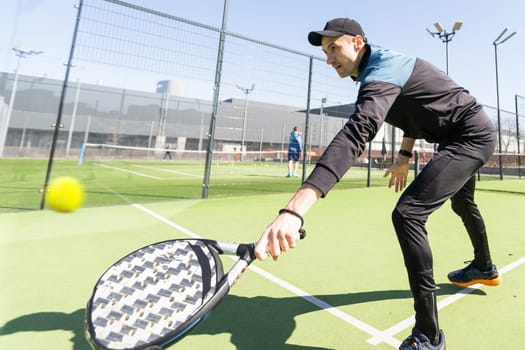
(274, 244)
(268, 246)
(274, 248)
(291, 241)
(283, 245)
(261, 249)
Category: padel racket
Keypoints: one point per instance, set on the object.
(152, 297)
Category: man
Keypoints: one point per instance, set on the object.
(424, 102)
(167, 154)
(295, 147)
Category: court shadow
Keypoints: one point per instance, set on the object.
(50, 321)
(262, 323)
(257, 323)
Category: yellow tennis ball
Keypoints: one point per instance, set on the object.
(65, 194)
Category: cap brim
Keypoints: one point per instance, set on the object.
(315, 38)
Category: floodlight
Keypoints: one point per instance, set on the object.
(444, 35)
(498, 42)
(457, 25)
(439, 27)
(507, 38)
(503, 32)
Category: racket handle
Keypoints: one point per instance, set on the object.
(246, 252)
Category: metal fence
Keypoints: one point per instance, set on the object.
(139, 77)
(509, 159)
(520, 132)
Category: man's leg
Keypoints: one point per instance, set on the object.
(464, 206)
(439, 180)
(481, 269)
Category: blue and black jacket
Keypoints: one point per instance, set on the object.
(406, 92)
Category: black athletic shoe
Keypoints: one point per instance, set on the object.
(419, 341)
(471, 275)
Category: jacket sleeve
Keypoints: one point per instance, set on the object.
(372, 105)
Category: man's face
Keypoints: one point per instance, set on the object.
(342, 53)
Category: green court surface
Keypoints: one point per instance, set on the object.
(343, 287)
(116, 181)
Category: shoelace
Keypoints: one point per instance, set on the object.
(413, 342)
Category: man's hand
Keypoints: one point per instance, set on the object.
(281, 235)
(398, 173)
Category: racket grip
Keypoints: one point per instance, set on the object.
(246, 252)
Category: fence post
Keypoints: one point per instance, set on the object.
(61, 107)
(518, 133)
(306, 139)
(217, 85)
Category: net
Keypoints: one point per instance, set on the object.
(150, 173)
(105, 152)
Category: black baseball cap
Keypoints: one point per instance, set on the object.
(336, 27)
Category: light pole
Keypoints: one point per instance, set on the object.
(245, 91)
(5, 125)
(518, 132)
(499, 40)
(445, 36)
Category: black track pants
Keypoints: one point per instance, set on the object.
(450, 174)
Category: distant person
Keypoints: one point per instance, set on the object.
(415, 96)
(295, 148)
(167, 154)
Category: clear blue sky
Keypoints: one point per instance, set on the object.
(397, 24)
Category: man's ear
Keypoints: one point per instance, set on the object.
(359, 42)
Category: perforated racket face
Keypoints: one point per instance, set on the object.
(148, 295)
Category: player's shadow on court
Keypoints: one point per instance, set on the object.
(258, 323)
(50, 321)
(262, 323)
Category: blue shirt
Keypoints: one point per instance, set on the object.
(295, 142)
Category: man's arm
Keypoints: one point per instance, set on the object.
(399, 170)
(371, 108)
(407, 144)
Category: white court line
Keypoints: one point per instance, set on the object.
(299, 292)
(167, 170)
(401, 326)
(129, 171)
